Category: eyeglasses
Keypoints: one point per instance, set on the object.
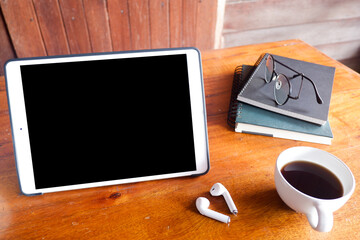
(282, 88)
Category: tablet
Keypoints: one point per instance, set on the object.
(93, 120)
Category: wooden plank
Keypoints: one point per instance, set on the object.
(98, 25)
(139, 24)
(189, 22)
(23, 27)
(159, 23)
(341, 50)
(6, 50)
(245, 15)
(51, 26)
(218, 42)
(176, 23)
(205, 24)
(119, 24)
(313, 33)
(75, 26)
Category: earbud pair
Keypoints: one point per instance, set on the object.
(202, 204)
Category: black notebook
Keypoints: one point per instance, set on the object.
(258, 93)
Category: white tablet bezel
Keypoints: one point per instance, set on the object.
(19, 122)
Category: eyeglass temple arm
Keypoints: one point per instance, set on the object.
(318, 98)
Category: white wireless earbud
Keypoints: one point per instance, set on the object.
(202, 204)
(217, 190)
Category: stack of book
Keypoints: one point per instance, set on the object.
(254, 110)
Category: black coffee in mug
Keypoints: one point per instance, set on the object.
(313, 180)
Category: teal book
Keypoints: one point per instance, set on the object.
(255, 120)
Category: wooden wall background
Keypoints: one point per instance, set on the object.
(51, 27)
(332, 26)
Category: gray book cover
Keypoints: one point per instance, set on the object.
(258, 93)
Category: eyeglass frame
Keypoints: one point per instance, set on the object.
(275, 76)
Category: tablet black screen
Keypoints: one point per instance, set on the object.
(102, 120)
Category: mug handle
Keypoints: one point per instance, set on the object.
(322, 220)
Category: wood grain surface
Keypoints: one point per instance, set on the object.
(165, 209)
(33, 28)
(331, 26)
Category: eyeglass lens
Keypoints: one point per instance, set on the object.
(269, 68)
(281, 89)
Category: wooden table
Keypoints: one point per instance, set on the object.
(166, 209)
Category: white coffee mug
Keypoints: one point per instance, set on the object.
(319, 212)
